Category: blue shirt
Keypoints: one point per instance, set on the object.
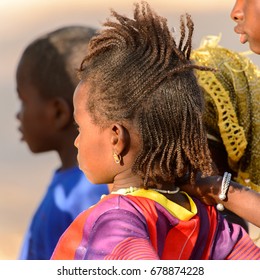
(68, 194)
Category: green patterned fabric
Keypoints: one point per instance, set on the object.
(232, 113)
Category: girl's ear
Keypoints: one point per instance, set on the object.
(120, 139)
(62, 112)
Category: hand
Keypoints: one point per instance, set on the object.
(205, 189)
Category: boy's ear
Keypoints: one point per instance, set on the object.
(62, 112)
(120, 139)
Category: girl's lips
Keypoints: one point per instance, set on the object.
(243, 38)
(22, 135)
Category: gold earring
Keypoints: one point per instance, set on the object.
(117, 158)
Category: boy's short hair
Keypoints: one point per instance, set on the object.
(53, 58)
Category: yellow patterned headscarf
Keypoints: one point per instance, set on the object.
(232, 106)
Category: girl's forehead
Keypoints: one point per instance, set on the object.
(80, 92)
(80, 98)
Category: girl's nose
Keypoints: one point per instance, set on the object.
(76, 142)
(237, 12)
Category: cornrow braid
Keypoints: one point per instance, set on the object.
(137, 73)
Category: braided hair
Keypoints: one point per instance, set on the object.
(138, 73)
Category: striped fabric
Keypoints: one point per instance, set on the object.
(244, 250)
(133, 249)
(149, 227)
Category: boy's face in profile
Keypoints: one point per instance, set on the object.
(34, 114)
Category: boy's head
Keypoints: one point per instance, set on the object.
(46, 78)
(232, 97)
(137, 75)
(246, 13)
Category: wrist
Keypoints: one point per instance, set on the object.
(223, 191)
(215, 185)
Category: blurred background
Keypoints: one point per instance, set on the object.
(24, 176)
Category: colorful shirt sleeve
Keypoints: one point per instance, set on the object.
(134, 228)
(107, 232)
(119, 234)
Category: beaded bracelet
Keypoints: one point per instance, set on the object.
(224, 189)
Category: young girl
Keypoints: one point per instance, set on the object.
(242, 200)
(231, 115)
(139, 111)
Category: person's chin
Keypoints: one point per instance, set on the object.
(255, 48)
(90, 178)
(34, 149)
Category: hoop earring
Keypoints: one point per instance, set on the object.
(117, 158)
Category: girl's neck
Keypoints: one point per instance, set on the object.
(125, 180)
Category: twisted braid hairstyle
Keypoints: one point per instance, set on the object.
(136, 72)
